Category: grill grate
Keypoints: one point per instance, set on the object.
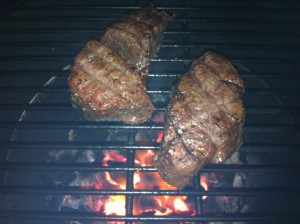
(39, 40)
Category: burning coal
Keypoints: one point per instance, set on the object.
(143, 205)
(115, 204)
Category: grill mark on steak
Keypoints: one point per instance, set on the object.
(109, 79)
(136, 41)
(109, 92)
(207, 114)
(222, 68)
(136, 37)
(108, 74)
(131, 45)
(103, 85)
(192, 82)
(157, 23)
(101, 91)
(111, 58)
(230, 86)
(88, 65)
(234, 95)
(189, 151)
(202, 123)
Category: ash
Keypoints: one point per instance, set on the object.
(226, 204)
(91, 203)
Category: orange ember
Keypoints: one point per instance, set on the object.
(204, 184)
(160, 137)
(161, 205)
(151, 205)
(144, 157)
(150, 181)
(180, 205)
(166, 212)
(113, 182)
(155, 205)
(115, 205)
(112, 156)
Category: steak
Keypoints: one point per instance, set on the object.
(204, 120)
(103, 85)
(137, 37)
(108, 78)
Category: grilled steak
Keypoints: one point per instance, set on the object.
(108, 78)
(137, 37)
(103, 85)
(204, 120)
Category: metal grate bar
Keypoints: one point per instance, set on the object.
(84, 216)
(273, 21)
(65, 74)
(190, 44)
(33, 58)
(64, 89)
(128, 6)
(46, 145)
(95, 167)
(130, 193)
(67, 107)
(235, 33)
(116, 125)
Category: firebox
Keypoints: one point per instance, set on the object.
(57, 167)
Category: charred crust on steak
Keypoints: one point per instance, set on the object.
(137, 36)
(103, 85)
(108, 78)
(204, 120)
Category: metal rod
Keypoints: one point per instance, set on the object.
(66, 145)
(117, 125)
(263, 191)
(95, 167)
(212, 217)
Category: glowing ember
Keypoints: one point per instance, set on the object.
(159, 205)
(136, 178)
(180, 205)
(144, 157)
(142, 205)
(150, 181)
(115, 205)
(156, 205)
(204, 184)
(162, 205)
(160, 137)
(159, 213)
(113, 182)
(112, 156)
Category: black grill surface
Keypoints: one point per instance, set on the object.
(38, 42)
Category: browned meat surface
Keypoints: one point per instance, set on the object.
(108, 78)
(204, 120)
(103, 85)
(137, 36)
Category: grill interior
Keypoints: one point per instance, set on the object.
(39, 40)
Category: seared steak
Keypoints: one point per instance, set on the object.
(137, 36)
(204, 121)
(103, 85)
(108, 79)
